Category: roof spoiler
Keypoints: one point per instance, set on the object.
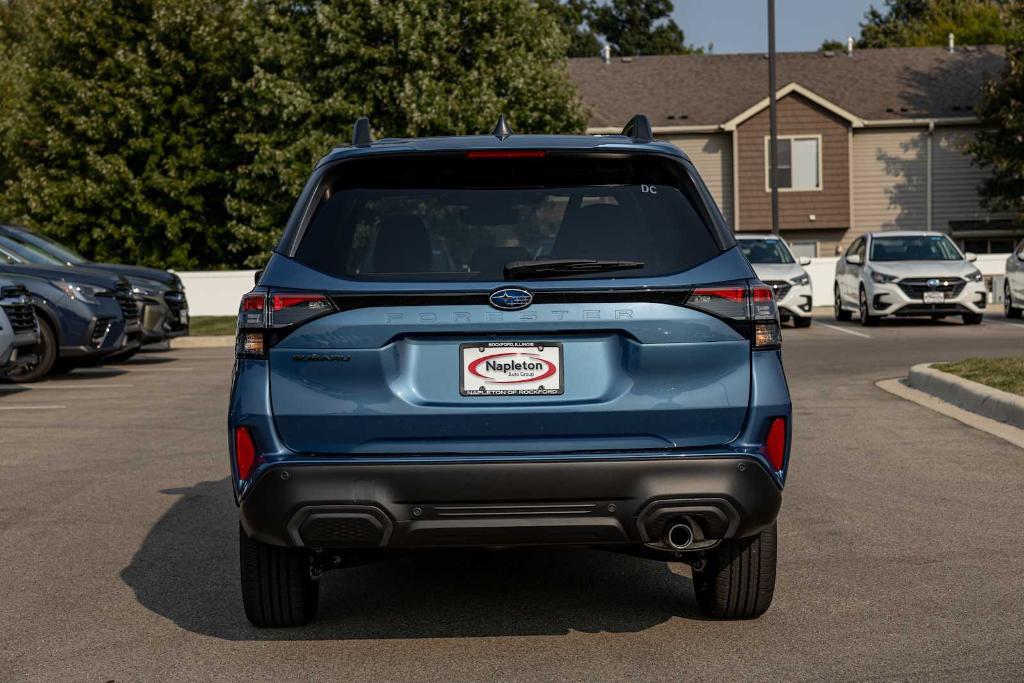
(639, 129)
(362, 136)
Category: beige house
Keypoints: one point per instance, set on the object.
(872, 140)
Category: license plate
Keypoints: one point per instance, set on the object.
(183, 316)
(511, 369)
(934, 297)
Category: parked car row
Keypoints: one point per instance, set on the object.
(85, 313)
(882, 274)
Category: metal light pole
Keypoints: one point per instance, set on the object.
(773, 147)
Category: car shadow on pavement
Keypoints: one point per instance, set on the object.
(187, 571)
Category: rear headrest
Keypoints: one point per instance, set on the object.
(490, 261)
(402, 245)
(598, 231)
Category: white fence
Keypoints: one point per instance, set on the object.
(218, 292)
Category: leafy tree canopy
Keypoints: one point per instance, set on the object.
(999, 143)
(179, 132)
(572, 17)
(640, 27)
(920, 23)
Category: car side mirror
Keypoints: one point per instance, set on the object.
(805, 260)
(854, 259)
(971, 256)
(1020, 255)
(256, 276)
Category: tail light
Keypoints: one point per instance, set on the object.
(266, 317)
(775, 443)
(245, 453)
(750, 309)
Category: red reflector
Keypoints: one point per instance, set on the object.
(775, 443)
(505, 154)
(737, 294)
(245, 452)
(253, 302)
(282, 301)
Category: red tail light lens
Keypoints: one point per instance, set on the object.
(245, 453)
(754, 304)
(262, 315)
(505, 154)
(775, 443)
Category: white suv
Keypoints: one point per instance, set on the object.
(774, 264)
(908, 273)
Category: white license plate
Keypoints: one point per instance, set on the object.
(934, 297)
(510, 369)
(183, 316)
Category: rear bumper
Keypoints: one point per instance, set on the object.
(579, 502)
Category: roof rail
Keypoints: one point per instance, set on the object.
(639, 129)
(362, 136)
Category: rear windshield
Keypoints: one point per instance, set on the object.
(765, 251)
(465, 220)
(916, 248)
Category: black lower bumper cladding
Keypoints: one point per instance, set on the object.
(507, 503)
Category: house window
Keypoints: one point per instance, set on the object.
(799, 167)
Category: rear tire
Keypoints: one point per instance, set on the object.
(46, 357)
(842, 314)
(1008, 307)
(738, 577)
(800, 321)
(277, 586)
(972, 318)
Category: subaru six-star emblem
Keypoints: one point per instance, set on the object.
(511, 299)
(933, 282)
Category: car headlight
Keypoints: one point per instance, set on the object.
(882, 278)
(142, 290)
(804, 279)
(81, 292)
(975, 276)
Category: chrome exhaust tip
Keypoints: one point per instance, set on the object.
(678, 536)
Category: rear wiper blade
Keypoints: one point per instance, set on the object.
(564, 266)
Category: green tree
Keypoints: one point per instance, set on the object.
(118, 138)
(919, 23)
(572, 17)
(420, 67)
(999, 143)
(640, 27)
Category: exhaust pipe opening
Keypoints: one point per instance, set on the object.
(678, 535)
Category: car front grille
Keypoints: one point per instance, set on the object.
(18, 307)
(129, 305)
(176, 302)
(780, 288)
(917, 286)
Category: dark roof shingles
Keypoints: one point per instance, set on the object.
(887, 83)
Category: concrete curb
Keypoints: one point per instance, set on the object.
(223, 341)
(899, 388)
(994, 404)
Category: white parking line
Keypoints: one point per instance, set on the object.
(33, 406)
(843, 329)
(63, 386)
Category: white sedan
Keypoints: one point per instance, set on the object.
(1013, 286)
(908, 273)
(775, 265)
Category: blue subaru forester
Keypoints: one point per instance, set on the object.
(507, 340)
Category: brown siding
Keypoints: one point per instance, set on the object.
(830, 205)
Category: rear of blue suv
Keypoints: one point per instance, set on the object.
(507, 341)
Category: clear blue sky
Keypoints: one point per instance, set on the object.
(742, 25)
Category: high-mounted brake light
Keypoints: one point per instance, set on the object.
(749, 309)
(264, 313)
(245, 453)
(505, 154)
(775, 443)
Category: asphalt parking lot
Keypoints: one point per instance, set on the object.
(901, 553)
